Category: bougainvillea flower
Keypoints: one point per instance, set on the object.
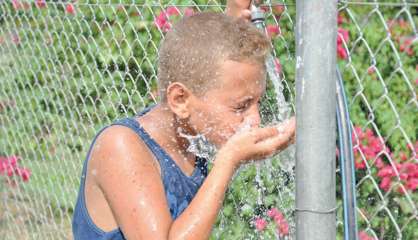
(385, 183)
(283, 228)
(70, 9)
(260, 224)
(341, 52)
(172, 11)
(23, 173)
(17, 4)
(278, 10)
(277, 65)
(161, 21)
(273, 212)
(188, 12)
(362, 235)
(272, 30)
(40, 3)
(342, 35)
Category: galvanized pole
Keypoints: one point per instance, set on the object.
(316, 30)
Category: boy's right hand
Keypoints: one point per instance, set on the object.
(239, 9)
(259, 143)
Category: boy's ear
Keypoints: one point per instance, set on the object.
(178, 99)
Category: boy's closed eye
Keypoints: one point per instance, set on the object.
(244, 105)
(241, 107)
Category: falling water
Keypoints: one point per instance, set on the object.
(286, 157)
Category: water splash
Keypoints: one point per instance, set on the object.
(199, 145)
(283, 107)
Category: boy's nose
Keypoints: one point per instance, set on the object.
(253, 117)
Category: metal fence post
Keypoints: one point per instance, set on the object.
(315, 105)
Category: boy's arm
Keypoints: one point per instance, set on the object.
(198, 219)
(130, 181)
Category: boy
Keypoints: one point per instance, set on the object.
(139, 181)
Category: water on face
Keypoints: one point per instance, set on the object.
(278, 169)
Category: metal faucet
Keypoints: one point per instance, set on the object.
(257, 15)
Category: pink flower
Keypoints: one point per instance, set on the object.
(284, 229)
(9, 170)
(403, 176)
(376, 145)
(17, 5)
(379, 163)
(40, 3)
(386, 172)
(410, 168)
(342, 35)
(161, 21)
(369, 133)
(15, 38)
(406, 45)
(371, 70)
(277, 65)
(23, 173)
(341, 52)
(70, 9)
(403, 156)
(364, 236)
(279, 218)
(172, 11)
(340, 19)
(13, 160)
(188, 12)
(272, 30)
(9, 166)
(412, 184)
(402, 23)
(260, 224)
(359, 132)
(278, 10)
(273, 212)
(359, 163)
(385, 183)
(367, 151)
(401, 190)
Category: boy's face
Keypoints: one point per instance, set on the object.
(230, 105)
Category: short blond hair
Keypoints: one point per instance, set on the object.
(194, 48)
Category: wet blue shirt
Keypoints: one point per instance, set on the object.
(179, 188)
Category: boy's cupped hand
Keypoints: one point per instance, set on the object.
(259, 143)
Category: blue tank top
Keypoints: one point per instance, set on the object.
(179, 188)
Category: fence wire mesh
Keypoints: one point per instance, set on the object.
(68, 68)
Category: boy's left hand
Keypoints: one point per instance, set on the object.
(239, 9)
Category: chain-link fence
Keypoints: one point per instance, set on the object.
(68, 68)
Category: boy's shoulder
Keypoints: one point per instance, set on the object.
(116, 142)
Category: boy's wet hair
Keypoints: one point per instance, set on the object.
(194, 48)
